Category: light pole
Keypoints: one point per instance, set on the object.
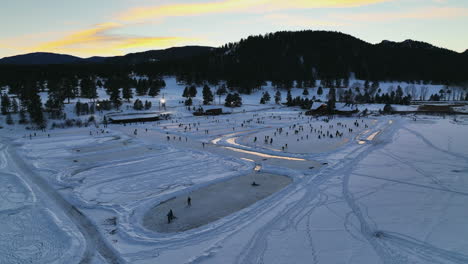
(162, 103)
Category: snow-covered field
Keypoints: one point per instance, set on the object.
(380, 189)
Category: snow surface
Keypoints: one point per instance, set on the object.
(394, 190)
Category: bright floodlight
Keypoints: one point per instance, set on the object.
(163, 101)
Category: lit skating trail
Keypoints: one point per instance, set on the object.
(94, 240)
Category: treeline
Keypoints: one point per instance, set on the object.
(64, 85)
(285, 58)
(303, 57)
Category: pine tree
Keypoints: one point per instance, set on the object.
(186, 93)
(331, 100)
(35, 110)
(68, 89)
(192, 91)
(14, 106)
(127, 93)
(277, 97)
(221, 91)
(88, 88)
(320, 90)
(153, 91)
(138, 105)
(78, 108)
(22, 116)
(265, 98)
(289, 100)
(148, 105)
(207, 95)
(5, 101)
(115, 97)
(305, 92)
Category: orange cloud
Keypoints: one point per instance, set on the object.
(152, 12)
(100, 40)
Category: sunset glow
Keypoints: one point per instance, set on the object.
(119, 27)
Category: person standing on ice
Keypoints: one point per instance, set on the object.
(170, 216)
(189, 201)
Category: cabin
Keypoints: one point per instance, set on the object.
(321, 110)
(210, 112)
(216, 111)
(137, 118)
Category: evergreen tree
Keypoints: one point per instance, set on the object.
(221, 91)
(207, 95)
(54, 106)
(68, 89)
(236, 100)
(22, 116)
(305, 92)
(115, 97)
(331, 100)
(387, 108)
(289, 100)
(88, 88)
(398, 95)
(5, 101)
(189, 101)
(153, 91)
(78, 108)
(192, 91)
(138, 105)
(265, 98)
(85, 108)
(277, 97)
(127, 93)
(186, 92)
(320, 90)
(35, 110)
(14, 106)
(148, 105)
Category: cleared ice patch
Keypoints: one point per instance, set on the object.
(213, 202)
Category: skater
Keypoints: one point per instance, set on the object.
(170, 216)
(189, 201)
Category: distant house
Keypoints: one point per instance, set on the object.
(211, 112)
(216, 111)
(321, 110)
(137, 118)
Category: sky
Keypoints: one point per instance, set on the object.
(88, 28)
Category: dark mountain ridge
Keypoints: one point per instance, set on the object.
(47, 58)
(281, 57)
(40, 58)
